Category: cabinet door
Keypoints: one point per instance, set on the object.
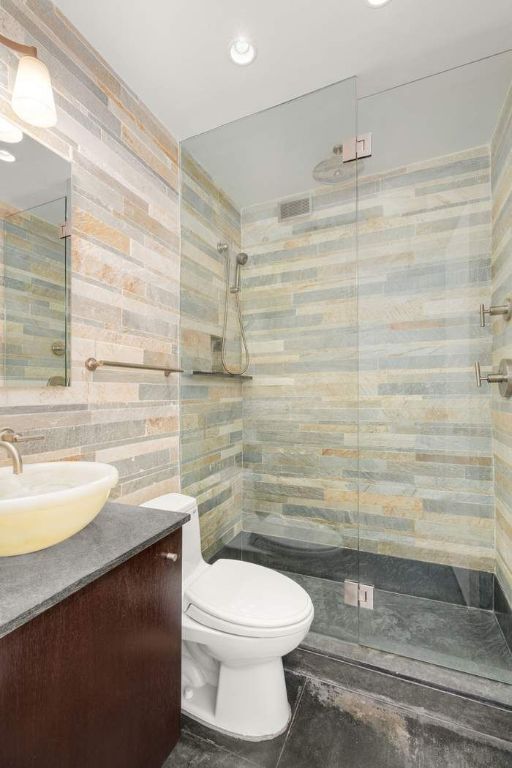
(94, 682)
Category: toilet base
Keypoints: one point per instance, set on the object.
(249, 702)
(210, 723)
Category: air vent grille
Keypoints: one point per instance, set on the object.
(290, 209)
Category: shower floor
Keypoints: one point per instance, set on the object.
(445, 631)
(454, 636)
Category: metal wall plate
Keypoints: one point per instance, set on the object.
(505, 370)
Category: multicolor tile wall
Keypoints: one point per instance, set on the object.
(211, 408)
(425, 428)
(301, 409)
(35, 299)
(411, 305)
(426, 473)
(501, 165)
(125, 270)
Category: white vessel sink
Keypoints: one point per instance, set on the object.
(50, 502)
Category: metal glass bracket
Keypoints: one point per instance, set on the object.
(358, 595)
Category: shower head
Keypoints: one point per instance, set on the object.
(333, 170)
(241, 260)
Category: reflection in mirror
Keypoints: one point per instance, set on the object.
(34, 250)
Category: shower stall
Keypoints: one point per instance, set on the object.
(356, 452)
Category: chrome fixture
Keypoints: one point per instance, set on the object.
(58, 348)
(169, 556)
(8, 440)
(241, 260)
(32, 96)
(92, 365)
(57, 381)
(503, 377)
(334, 169)
(357, 147)
(500, 309)
(358, 595)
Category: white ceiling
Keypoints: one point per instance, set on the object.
(271, 155)
(173, 53)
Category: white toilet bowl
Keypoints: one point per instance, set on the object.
(239, 620)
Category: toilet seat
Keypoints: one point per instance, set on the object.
(247, 599)
(212, 622)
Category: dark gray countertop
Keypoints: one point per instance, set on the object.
(30, 584)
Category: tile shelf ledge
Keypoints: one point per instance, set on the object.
(222, 375)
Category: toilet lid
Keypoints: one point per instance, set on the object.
(249, 595)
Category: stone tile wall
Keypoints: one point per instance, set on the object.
(125, 265)
(425, 428)
(425, 469)
(411, 306)
(34, 257)
(501, 166)
(301, 409)
(211, 408)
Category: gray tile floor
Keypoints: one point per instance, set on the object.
(449, 635)
(333, 727)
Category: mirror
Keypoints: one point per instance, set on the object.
(34, 259)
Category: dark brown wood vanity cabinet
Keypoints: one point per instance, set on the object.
(94, 682)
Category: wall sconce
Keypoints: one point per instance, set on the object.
(32, 97)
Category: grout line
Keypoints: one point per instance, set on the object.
(294, 715)
(502, 633)
(401, 678)
(420, 715)
(195, 737)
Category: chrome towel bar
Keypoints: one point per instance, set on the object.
(92, 365)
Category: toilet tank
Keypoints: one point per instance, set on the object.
(191, 546)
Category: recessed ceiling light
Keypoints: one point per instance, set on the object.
(6, 156)
(242, 51)
(377, 3)
(9, 133)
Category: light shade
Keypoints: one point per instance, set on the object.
(9, 133)
(32, 97)
(378, 3)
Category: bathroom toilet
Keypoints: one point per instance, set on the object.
(239, 620)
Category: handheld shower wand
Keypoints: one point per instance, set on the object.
(241, 259)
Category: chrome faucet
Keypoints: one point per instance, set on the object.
(8, 440)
